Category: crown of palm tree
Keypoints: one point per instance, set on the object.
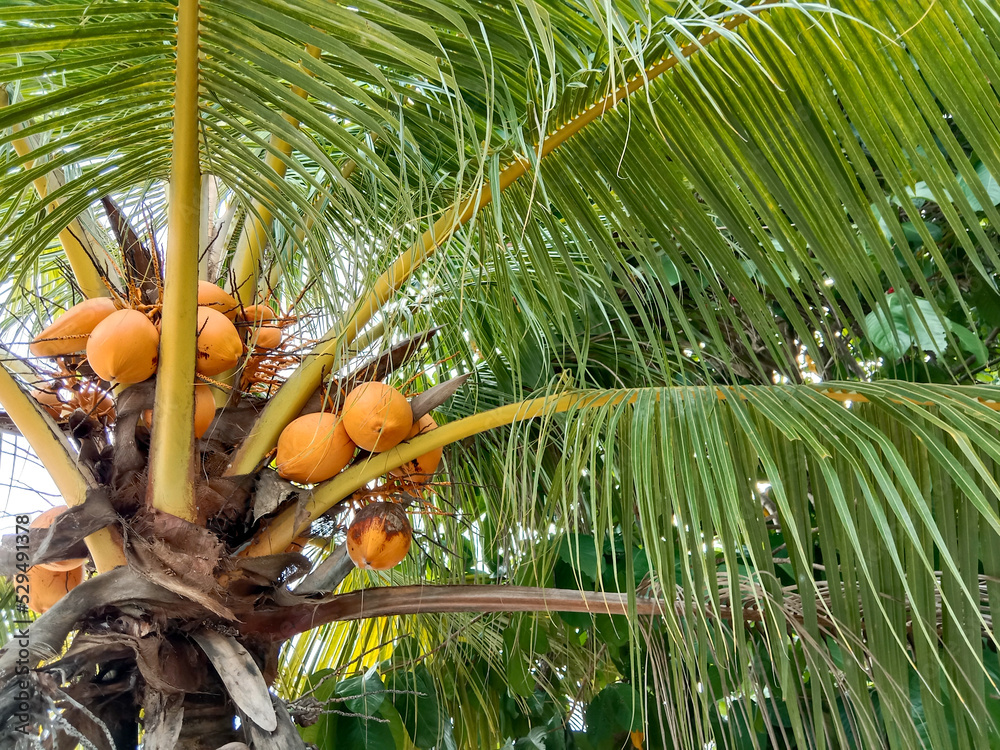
(701, 295)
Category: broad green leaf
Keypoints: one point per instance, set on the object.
(414, 696)
(970, 342)
(989, 183)
(615, 711)
(902, 329)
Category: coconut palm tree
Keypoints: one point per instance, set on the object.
(701, 295)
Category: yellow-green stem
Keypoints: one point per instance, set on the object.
(280, 532)
(292, 396)
(286, 526)
(72, 236)
(365, 340)
(253, 236)
(54, 451)
(171, 455)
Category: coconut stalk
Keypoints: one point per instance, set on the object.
(281, 623)
(278, 534)
(292, 396)
(52, 447)
(72, 236)
(171, 456)
(253, 236)
(286, 526)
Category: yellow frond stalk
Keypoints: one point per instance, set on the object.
(54, 451)
(253, 237)
(171, 455)
(287, 525)
(73, 236)
(292, 396)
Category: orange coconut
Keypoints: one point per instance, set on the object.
(258, 314)
(313, 447)
(46, 587)
(262, 333)
(210, 295)
(43, 521)
(219, 344)
(267, 337)
(123, 347)
(68, 332)
(204, 410)
(49, 400)
(377, 416)
(379, 537)
(422, 468)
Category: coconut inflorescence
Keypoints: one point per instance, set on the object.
(219, 344)
(50, 400)
(44, 521)
(123, 347)
(422, 468)
(379, 537)
(313, 448)
(69, 331)
(377, 416)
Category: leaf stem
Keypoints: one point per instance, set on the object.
(294, 521)
(54, 451)
(72, 236)
(292, 396)
(284, 622)
(253, 235)
(280, 532)
(171, 484)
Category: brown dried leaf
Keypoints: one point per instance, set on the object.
(164, 716)
(233, 423)
(62, 539)
(169, 665)
(207, 502)
(130, 405)
(271, 493)
(138, 260)
(120, 587)
(236, 490)
(269, 570)
(241, 676)
(9, 552)
(181, 558)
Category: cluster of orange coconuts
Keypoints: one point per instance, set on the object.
(50, 582)
(122, 343)
(375, 417)
(122, 346)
